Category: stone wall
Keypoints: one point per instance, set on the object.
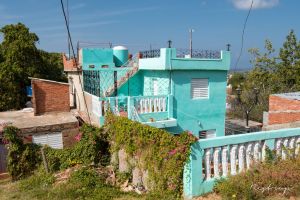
(127, 164)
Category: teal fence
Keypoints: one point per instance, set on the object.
(219, 157)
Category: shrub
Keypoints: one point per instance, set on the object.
(87, 177)
(40, 179)
(91, 149)
(23, 159)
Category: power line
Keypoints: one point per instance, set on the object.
(243, 33)
(70, 39)
(69, 48)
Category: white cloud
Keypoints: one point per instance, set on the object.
(257, 4)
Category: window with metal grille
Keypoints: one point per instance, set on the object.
(199, 88)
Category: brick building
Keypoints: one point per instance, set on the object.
(50, 96)
(284, 111)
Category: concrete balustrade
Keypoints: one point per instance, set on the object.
(219, 157)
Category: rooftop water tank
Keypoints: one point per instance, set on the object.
(120, 55)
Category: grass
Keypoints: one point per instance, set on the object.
(16, 190)
(42, 186)
(275, 179)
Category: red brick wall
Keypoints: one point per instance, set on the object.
(283, 110)
(283, 104)
(69, 64)
(50, 96)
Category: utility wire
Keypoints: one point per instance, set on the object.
(69, 48)
(243, 33)
(70, 39)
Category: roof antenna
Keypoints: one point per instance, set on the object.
(169, 43)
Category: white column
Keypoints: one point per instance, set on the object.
(146, 105)
(241, 157)
(292, 146)
(263, 151)
(150, 105)
(141, 105)
(216, 162)
(159, 105)
(278, 147)
(233, 159)
(257, 152)
(164, 101)
(285, 149)
(224, 161)
(297, 150)
(249, 155)
(207, 164)
(155, 104)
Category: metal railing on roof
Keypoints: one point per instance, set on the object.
(198, 53)
(155, 53)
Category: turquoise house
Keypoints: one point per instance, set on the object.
(165, 88)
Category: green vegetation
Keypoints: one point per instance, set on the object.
(20, 59)
(92, 148)
(154, 150)
(23, 159)
(275, 177)
(272, 73)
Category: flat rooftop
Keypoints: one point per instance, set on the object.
(26, 119)
(291, 95)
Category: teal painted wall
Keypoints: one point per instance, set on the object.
(162, 78)
(168, 61)
(133, 87)
(97, 57)
(199, 114)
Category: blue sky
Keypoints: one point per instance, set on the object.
(139, 24)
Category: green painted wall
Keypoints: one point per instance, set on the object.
(133, 87)
(97, 57)
(162, 79)
(199, 114)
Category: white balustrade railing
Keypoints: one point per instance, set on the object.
(242, 156)
(151, 104)
(215, 158)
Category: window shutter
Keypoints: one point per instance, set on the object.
(53, 140)
(199, 87)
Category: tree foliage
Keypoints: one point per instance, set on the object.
(20, 59)
(272, 73)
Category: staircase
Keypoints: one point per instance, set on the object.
(133, 67)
